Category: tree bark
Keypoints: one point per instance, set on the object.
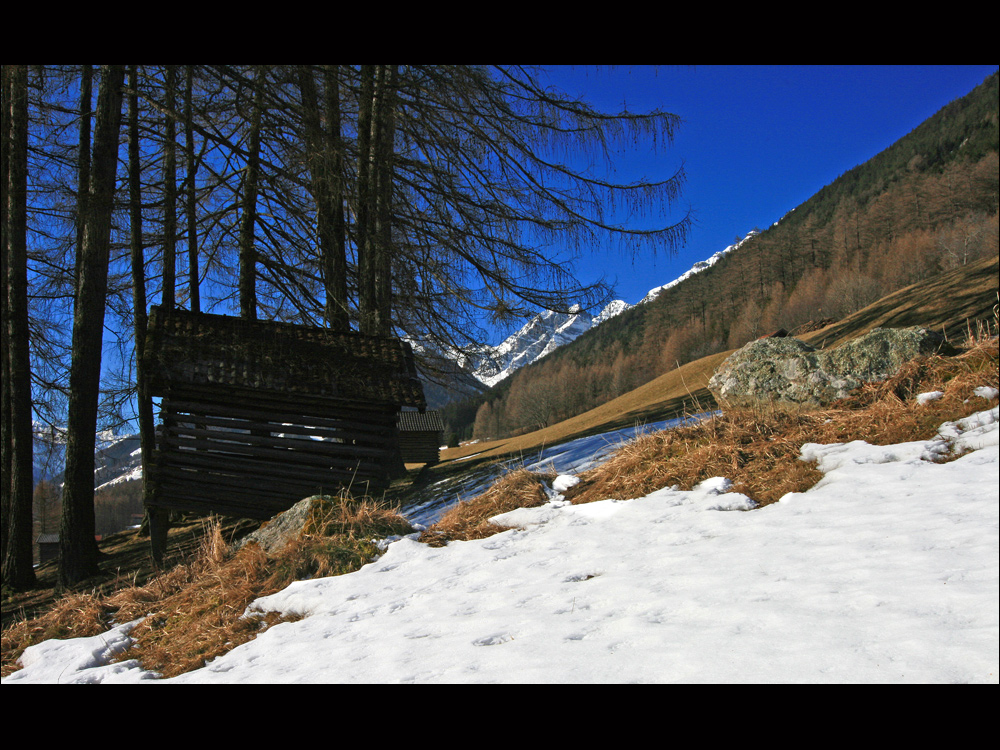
(375, 173)
(248, 252)
(385, 154)
(337, 311)
(169, 192)
(192, 169)
(83, 153)
(5, 425)
(325, 163)
(78, 548)
(17, 555)
(147, 435)
(366, 106)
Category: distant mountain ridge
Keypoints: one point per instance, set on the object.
(696, 268)
(549, 330)
(117, 458)
(541, 335)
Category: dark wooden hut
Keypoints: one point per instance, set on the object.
(420, 436)
(48, 547)
(258, 414)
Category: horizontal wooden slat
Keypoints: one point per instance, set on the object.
(320, 455)
(263, 411)
(222, 425)
(205, 439)
(255, 467)
(198, 349)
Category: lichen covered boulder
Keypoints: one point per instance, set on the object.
(789, 373)
(287, 526)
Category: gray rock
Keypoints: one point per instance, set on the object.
(284, 527)
(786, 372)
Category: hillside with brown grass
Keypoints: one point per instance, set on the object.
(956, 302)
(758, 451)
(923, 207)
(194, 610)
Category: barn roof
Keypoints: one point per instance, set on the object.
(415, 421)
(200, 349)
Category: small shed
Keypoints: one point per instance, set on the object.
(420, 436)
(48, 547)
(260, 414)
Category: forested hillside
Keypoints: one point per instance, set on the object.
(924, 205)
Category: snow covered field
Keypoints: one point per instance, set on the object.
(886, 571)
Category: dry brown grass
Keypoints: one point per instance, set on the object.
(470, 519)
(74, 616)
(758, 450)
(194, 614)
(196, 611)
(347, 517)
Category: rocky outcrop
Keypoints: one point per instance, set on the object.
(285, 527)
(786, 372)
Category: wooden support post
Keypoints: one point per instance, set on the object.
(159, 525)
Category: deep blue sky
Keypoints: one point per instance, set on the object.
(756, 141)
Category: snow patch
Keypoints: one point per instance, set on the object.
(886, 571)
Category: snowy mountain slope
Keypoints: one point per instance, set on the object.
(696, 268)
(48, 453)
(542, 334)
(116, 457)
(119, 461)
(548, 330)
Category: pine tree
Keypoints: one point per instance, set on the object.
(17, 442)
(78, 548)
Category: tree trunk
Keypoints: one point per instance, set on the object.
(375, 172)
(192, 225)
(78, 548)
(5, 380)
(325, 160)
(385, 154)
(248, 252)
(17, 556)
(366, 106)
(147, 439)
(169, 192)
(337, 312)
(83, 153)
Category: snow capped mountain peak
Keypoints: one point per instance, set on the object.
(549, 330)
(544, 333)
(698, 267)
(617, 307)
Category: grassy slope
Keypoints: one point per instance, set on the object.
(671, 394)
(951, 302)
(948, 302)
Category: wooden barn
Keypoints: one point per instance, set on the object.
(258, 415)
(420, 436)
(48, 547)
